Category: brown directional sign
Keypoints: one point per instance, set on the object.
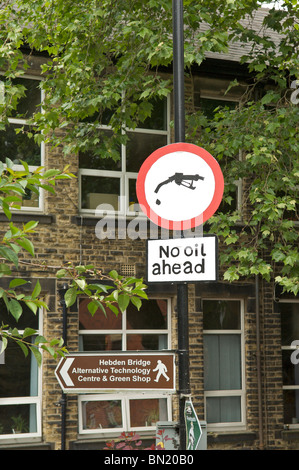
(87, 372)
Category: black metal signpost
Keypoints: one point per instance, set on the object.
(182, 288)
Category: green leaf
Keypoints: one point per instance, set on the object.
(3, 343)
(37, 355)
(17, 282)
(27, 245)
(25, 165)
(30, 225)
(36, 290)
(113, 308)
(50, 173)
(15, 309)
(70, 296)
(81, 283)
(123, 301)
(33, 307)
(93, 307)
(114, 274)
(9, 254)
(137, 302)
(99, 287)
(29, 332)
(140, 293)
(40, 339)
(23, 347)
(61, 273)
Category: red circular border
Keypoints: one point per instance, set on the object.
(201, 218)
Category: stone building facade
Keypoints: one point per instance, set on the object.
(232, 332)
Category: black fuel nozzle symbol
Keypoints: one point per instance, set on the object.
(181, 180)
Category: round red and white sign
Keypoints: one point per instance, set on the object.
(180, 186)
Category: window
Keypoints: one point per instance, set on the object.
(290, 357)
(20, 395)
(146, 329)
(110, 184)
(117, 413)
(223, 363)
(15, 143)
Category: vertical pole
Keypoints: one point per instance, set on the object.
(63, 399)
(182, 289)
(178, 70)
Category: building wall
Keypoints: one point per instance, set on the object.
(64, 236)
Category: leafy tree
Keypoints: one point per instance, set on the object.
(13, 185)
(104, 63)
(261, 238)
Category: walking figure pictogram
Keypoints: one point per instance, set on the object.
(162, 369)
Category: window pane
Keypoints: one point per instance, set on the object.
(158, 118)
(223, 409)
(30, 103)
(290, 370)
(101, 342)
(140, 146)
(18, 374)
(208, 106)
(27, 319)
(133, 201)
(146, 412)
(291, 406)
(30, 199)
(98, 321)
(221, 315)
(102, 414)
(152, 315)
(289, 322)
(146, 342)
(222, 362)
(17, 419)
(19, 146)
(92, 161)
(100, 190)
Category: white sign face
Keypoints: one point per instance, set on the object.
(180, 186)
(182, 259)
(175, 187)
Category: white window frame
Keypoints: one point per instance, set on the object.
(126, 396)
(121, 174)
(240, 425)
(124, 331)
(290, 349)
(24, 122)
(27, 400)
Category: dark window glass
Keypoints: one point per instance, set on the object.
(27, 319)
(31, 102)
(221, 315)
(99, 161)
(152, 315)
(19, 146)
(289, 322)
(140, 146)
(100, 191)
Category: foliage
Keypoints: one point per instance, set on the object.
(257, 143)
(16, 240)
(104, 63)
(132, 441)
(110, 53)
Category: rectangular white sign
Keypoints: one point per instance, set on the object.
(182, 259)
